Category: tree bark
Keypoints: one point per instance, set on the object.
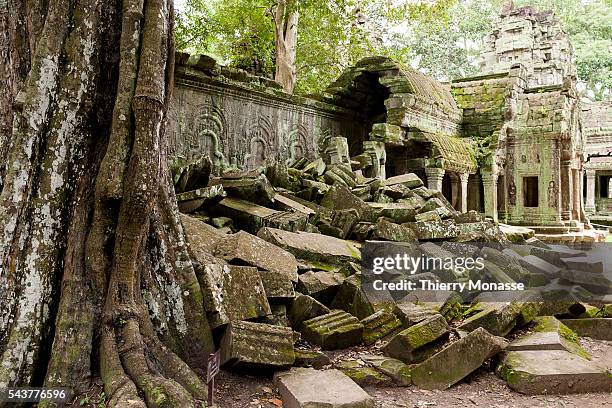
(93, 253)
(286, 18)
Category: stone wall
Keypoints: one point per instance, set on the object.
(240, 120)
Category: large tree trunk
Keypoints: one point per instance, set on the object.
(93, 254)
(285, 34)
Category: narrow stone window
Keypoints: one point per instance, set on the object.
(530, 191)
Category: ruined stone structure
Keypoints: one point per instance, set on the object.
(597, 128)
(507, 142)
(523, 112)
(240, 120)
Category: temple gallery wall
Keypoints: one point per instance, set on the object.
(513, 142)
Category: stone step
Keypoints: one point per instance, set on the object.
(333, 331)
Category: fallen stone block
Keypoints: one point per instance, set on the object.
(549, 334)
(364, 375)
(429, 216)
(396, 212)
(232, 293)
(396, 369)
(316, 188)
(321, 285)
(409, 180)
(246, 248)
(445, 302)
(316, 167)
(499, 318)
(552, 372)
(338, 223)
(389, 231)
(313, 247)
(598, 328)
(278, 286)
(468, 217)
(410, 345)
(310, 388)
(446, 229)
(353, 299)
(254, 189)
(593, 282)
(457, 360)
(311, 358)
(431, 205)
(340, 198)
(191, 201)
(251, 217)
(201, 237)
(397, 191)
(287, 204)
(424, 192)
(379, 325)
(510, 264)
(247, 344)
(335, 330)
(305, 308)
(340, 175)
(584, 264)
(410, 313)
(446, 268)
(537, 265)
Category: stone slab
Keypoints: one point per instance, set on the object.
(310, 388)
(598, 328)
(250, 344)
(456, 361)
(552, 372)
(250, 249)
(333, 331)
(313, 247)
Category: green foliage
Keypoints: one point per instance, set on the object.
(443, 38)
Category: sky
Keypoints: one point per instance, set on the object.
(179, 4)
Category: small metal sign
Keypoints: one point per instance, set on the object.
(214, 363)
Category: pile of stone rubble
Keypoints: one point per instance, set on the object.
(277, 252)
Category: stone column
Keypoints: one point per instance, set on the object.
(590, 191)
(489, 182)
(566, 190)
(434, 178)
(464, 177)
(576, 174)
(610, 188)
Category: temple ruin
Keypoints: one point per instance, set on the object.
(512, 142)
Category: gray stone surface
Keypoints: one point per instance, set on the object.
(313, 247)
(246, 248)
(460, 358)
(310, 388)
(333, 331)
(410, 345)
(250, 344)
(597, 328)
(552, 372)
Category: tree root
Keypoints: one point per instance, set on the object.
(159, 391)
